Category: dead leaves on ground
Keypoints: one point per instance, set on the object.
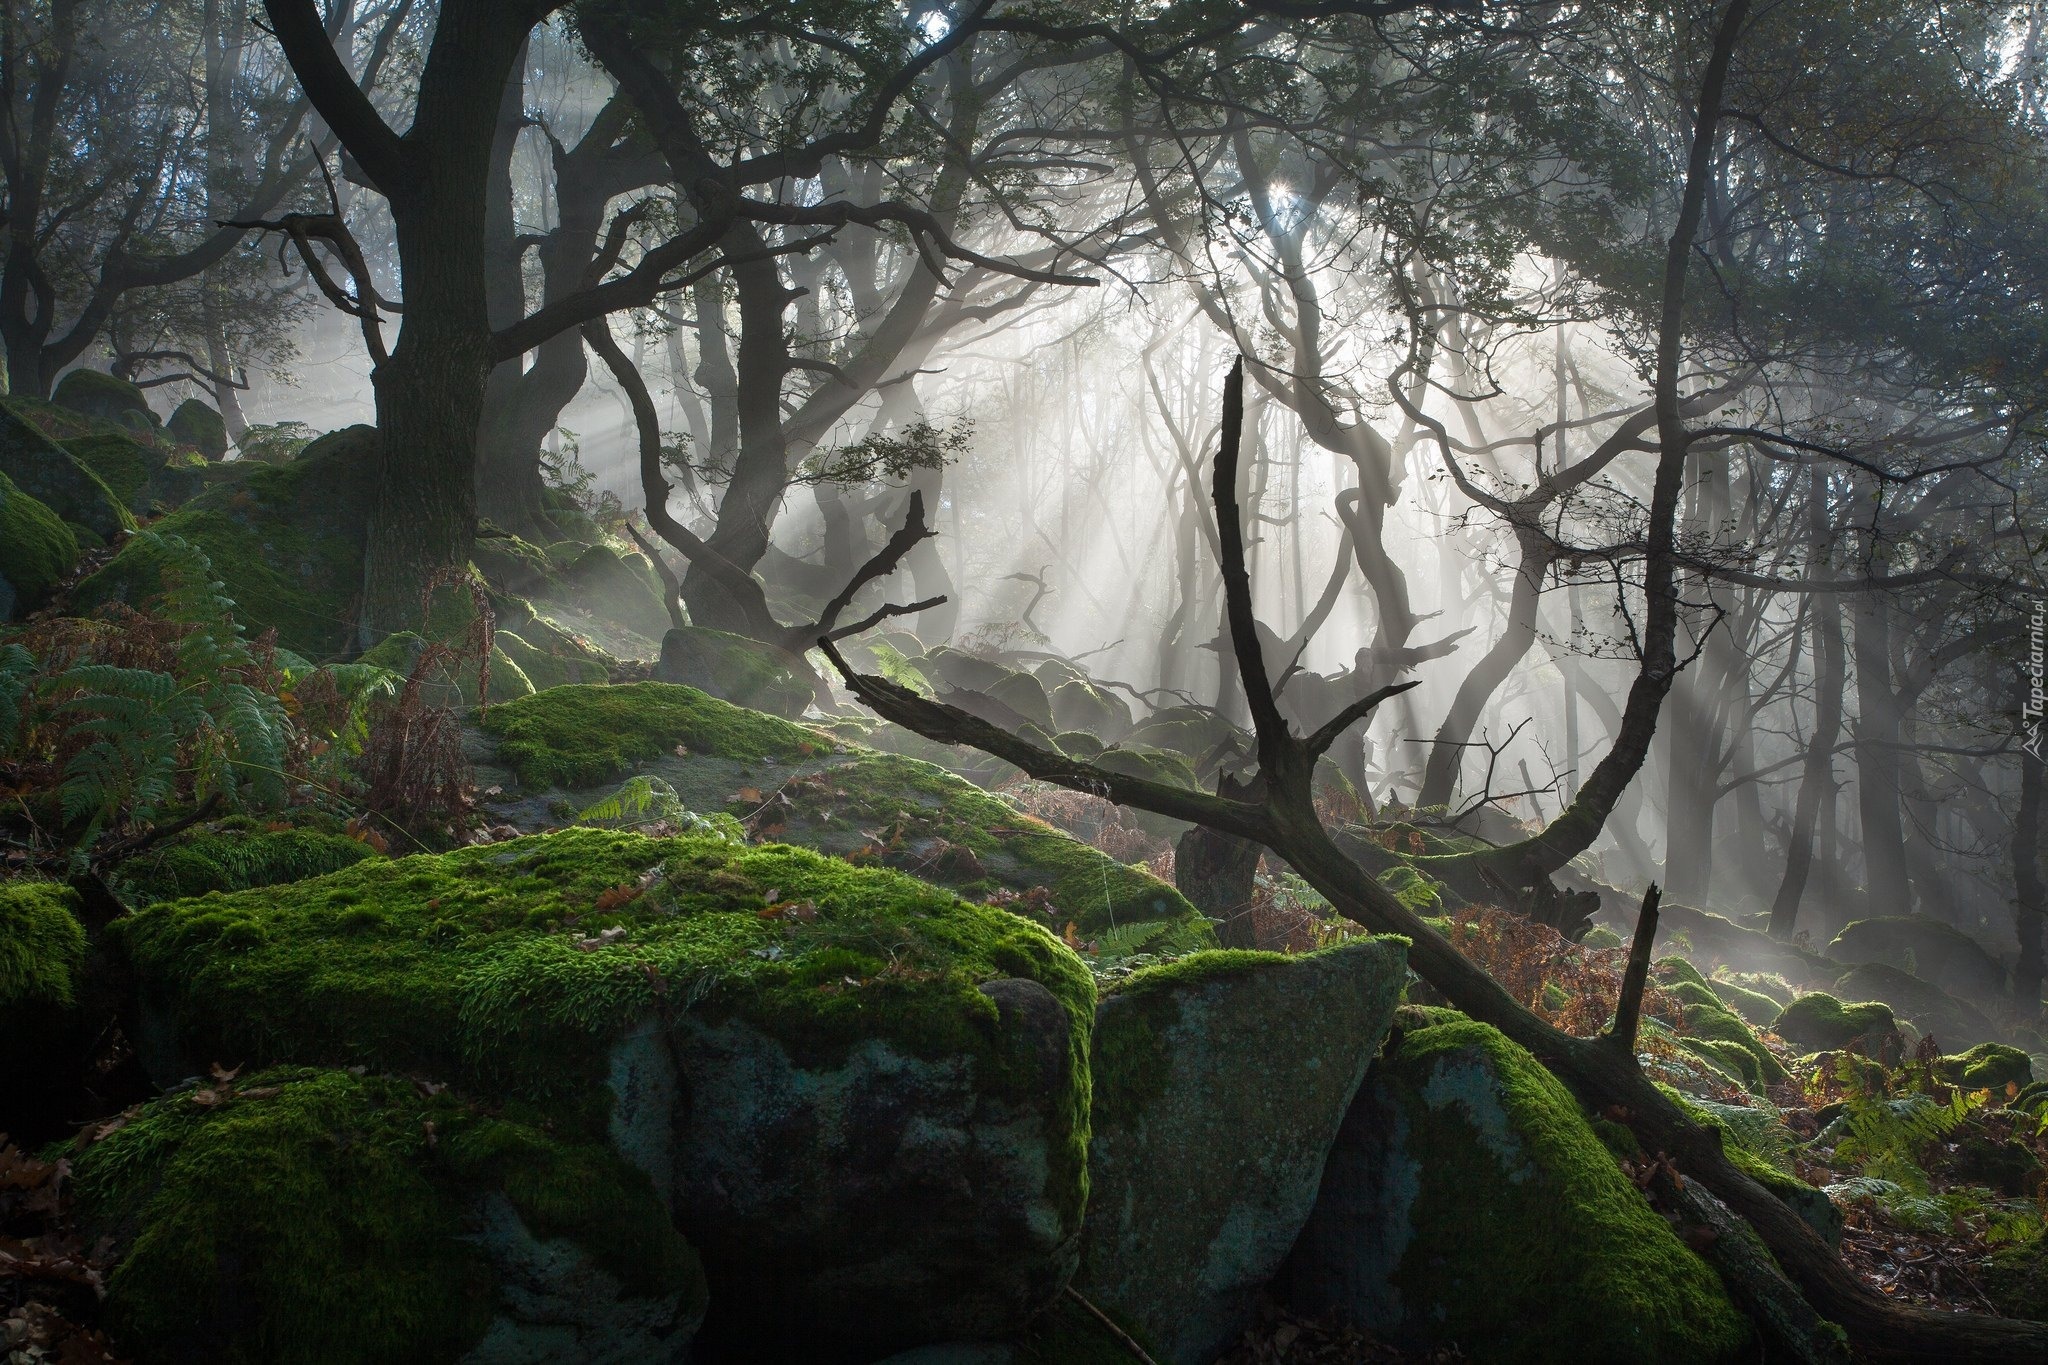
(46, 1268)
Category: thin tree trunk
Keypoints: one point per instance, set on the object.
(1817, 777)
(1886, 884)
(2030, 906)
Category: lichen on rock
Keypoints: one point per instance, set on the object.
(1208, 1143)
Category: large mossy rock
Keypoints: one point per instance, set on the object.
(301, 1215)
(1468, 1201)
(50, 474)
(1821, 1022)
(865, 1097)
(42, 946)
(1929, 949)
(286, 540)
(1713, 1032)
(93, 393)
(195, 423)
(570, 747)
(732, 668)
(621, 587)
(37, 550)
(1208, 1140)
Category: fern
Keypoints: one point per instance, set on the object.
(650, 801)
(1126, 939)
(17, 669)
(146, 729)
(1885, 1137)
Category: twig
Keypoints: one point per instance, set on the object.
(114, 852)
(1119, 1333)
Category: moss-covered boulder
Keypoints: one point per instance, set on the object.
(93, 393)
(37, 550)
(1822, 1022)
(732, 668)
(1468, 1201)
(50, 474)
(286, 540)
(1713, 1031)
(1929, 1008)
(546, 660)
(1987, 1066)
(450, 682)
(1928, 948)
(511, 563)
(884, 1139)
(42, 946)
(1078, 704)
(2016, 1279)
(1205, 1164)
(623, 587)
(570, 747)
(195, 423)
(1755, 1007)
(236, 856)
(310, 1216)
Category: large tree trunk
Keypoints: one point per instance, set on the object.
(1446, 758)
(1886, 883)
(2030, 909)
(1817, 776)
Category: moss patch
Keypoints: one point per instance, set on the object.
(48, 473)
(732, 668)
(797, 784)
(316, 1216)
(1987, 1066)
(42, 944)
(1823, 1023)
(123, 464)
(1573, 1265)
(36, 551)
(489, 965)
(237, 857)
(286, 540)
(1709, 1021)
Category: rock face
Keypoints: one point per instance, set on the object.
(732, 668)
(36, 551)
(897, 1198)
(1953, 1023)
(867, 1095)
(1209, 1140)
(1467, 1200)
(306, 1215)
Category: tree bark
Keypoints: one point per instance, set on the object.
(1817, 775)
(2030, 908)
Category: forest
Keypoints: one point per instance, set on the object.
(1023, 682)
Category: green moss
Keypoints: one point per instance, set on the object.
(1754, 1006)
(1573, 1265)
(286, 540)
(622, 587)
(868, 806)
(36, 551)
(48, 473)
(94, 393)
(1987, 1066)
(42, 944)
(196, 424)
(237, 858)
(122, 463)
(2016, 1280)
(467, 964)
(1707, 1019)
(1823, 1023)
(732, 668)
(315, 1216)
(1131, 1063)
(1674, 970)
(1599, 936)
(452, 683)
(586, 736)
(544, 669)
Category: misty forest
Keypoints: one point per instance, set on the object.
(1023, 682)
